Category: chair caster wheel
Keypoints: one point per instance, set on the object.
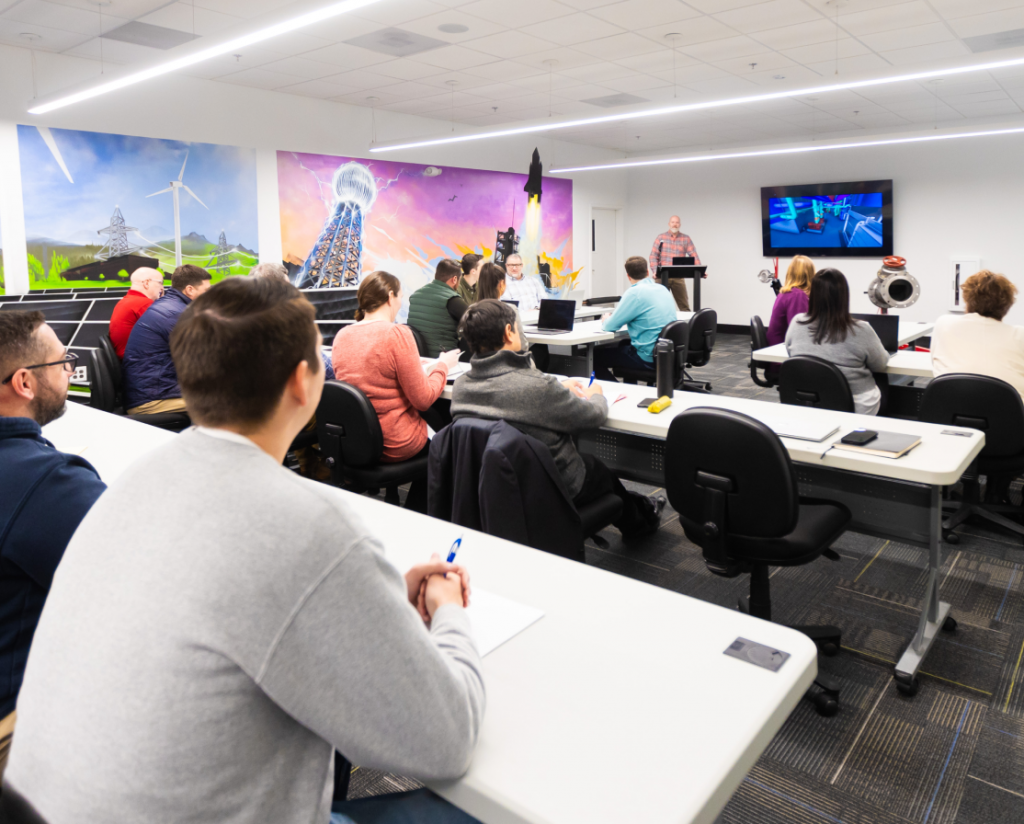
(949, 625)
(825, 705)
(829, 649)
(907, 685)
(951, 538)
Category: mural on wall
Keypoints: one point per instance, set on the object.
(99, 206)
(344, 217)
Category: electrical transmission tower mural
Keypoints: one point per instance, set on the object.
(117, 238)
(222, 253)
(335, 258)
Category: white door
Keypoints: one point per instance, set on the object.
(604, 265)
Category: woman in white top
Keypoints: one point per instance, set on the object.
(979, 343)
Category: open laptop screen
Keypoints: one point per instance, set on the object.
(887, 327)
(557, 314)
(683, 261)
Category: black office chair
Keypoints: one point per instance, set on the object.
(352, 441)
(602, 301)
(103, 396)
(994, 407)
(421, 342)
(15, 809)
(678, 331)
(805, 380)
(759, 340)
(731, 480)
(703, 330)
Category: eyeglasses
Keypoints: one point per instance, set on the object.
(69, 361)
(514, 265)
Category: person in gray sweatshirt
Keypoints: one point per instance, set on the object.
(219, 626)
(504, 385)
(828, 331)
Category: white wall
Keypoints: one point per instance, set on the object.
(184, 108)
(959, 198)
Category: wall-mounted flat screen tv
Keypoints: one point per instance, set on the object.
(827, 219)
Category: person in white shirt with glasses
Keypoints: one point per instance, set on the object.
(528, 292)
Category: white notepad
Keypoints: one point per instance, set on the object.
(496, 619)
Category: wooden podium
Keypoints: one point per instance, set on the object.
(696, 273)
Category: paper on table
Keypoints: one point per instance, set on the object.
(496, 619)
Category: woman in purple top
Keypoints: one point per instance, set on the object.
(792, 299)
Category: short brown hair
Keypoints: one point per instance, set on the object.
(188, 275)
(236, 345)
(636, 268)
(448, 269)
(989, 294)
(469, 262)
(375, 290)
(483, 325)
(19, 344)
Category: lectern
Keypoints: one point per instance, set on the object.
(694, 272)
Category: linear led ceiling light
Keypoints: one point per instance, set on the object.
(198, 56)
(712, 104)
(632, 164)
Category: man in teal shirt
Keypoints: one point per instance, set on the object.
(646, 308)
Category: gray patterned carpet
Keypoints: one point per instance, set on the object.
(953, 754)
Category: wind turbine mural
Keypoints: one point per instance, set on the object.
(173, 189)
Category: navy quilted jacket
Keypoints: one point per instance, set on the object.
(147, 368)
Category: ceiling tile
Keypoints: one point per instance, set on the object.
(509, 44)
(247, 9)
(252, 58)
(991, 109)
(820, 52)
(660, 61)
(524, 13)
(598, 72)
(755, 63)
(344, 55)
(61, 18)
(463, 82)
(963, 8)
(909, 37)
(726, 49)
(301, 67)
(553, 81)
(990, 23)
(714, 6)
(195, 20)
(477, 26)
(363, 80)
(619, 46)
(314, 88)
(575, 28)
(403, 69)
(804, 34)
(398, 12)
(849, 66)
(126, 9)
(770, 15)
(927, 54)
(113, 51)
(887, 18)
(564, 57)
(697, 30)
(723, 86)
(506, 70)
(259, 78)
(642, 14)
(497, 91)
(453, 58)
(49, 39)
(342, 28)
(635, 83)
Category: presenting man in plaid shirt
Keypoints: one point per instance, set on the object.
(673, 244)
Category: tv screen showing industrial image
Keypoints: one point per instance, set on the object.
(827, 220)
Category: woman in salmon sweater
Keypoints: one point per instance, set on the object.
(380, 358)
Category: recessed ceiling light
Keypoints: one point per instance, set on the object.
(453, 28)
(30, 36)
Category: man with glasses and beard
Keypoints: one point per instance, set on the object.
(44, 494)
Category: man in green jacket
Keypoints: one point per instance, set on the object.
(436, 309)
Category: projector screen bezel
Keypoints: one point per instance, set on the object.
(824, 189)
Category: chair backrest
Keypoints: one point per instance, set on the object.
(421, 342)
(347, 426)
(805, 380)
(703, 330)
(602, 301)
(113, 361)
(677, 331)
(758, 337)
(101, 387)
(730, 470)
(978, 402)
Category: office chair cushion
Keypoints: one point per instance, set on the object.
(388, 474)
(634, 375)
(819, 524)
(172, 421)
(599, 513)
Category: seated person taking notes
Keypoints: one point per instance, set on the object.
(645, 309)
(44, 494)
(205, 666)
(380, 357)
(829, 332)
(436, 309)
(979, 343)
(503, 384)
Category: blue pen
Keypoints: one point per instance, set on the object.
(591, 380)
(454, 549)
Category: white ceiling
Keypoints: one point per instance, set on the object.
(529, 59)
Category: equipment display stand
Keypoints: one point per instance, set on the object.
(694, 272)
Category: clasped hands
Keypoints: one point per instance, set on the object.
(436, 583)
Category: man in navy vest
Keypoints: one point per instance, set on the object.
(44, 494)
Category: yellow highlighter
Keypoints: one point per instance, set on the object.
(664, 402)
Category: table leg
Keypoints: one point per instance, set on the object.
(934, 613)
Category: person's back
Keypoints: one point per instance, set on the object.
(149, 377)
(44, 494)
(979, 342)
(207, 668)
(645, 309)
(792, 300)
(147, 286)
(436, 309)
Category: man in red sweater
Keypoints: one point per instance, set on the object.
(147, 286)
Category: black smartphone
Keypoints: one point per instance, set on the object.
(645, 403)
(859, 437)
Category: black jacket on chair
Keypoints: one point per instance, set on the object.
(487, 475)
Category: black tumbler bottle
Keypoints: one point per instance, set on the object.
(664, 353)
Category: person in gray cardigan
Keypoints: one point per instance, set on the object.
(205, 650)
(503, 384)
(828, 331)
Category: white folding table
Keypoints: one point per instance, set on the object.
(617, 706)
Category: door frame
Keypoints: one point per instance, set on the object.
(620, 245)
